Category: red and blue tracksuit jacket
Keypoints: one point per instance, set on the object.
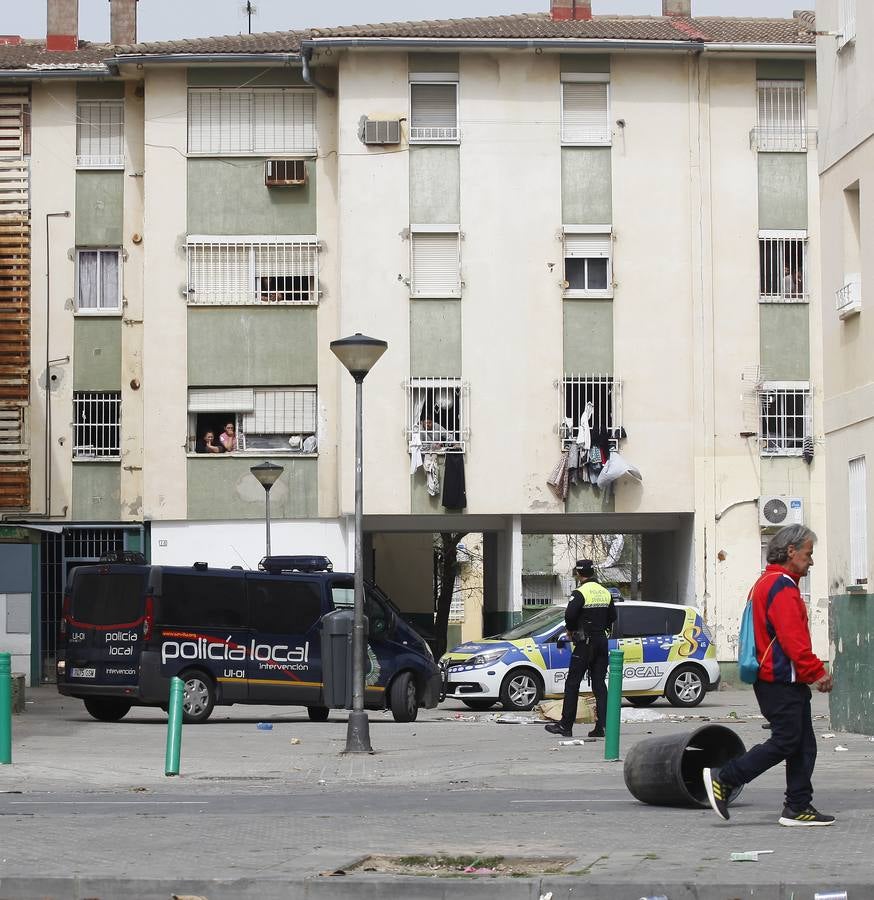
(782, 634)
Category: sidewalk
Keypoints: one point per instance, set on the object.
(256, 814)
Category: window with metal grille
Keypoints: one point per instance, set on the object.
(593, 401)
(437, 415)
(228, 420)
(100, 134)
(236, 121)
(275, 270)
(537, 590)
(782, 117)
(96, 424)
(784, 418)
(585, 108)
(456, 605)
(846, 22)
(588, 267)
(433, 112)
(783, 267)
(285, 172)
(435, 261)
(98, 281)
(858, 485)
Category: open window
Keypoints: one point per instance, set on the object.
(785, 424)
(783, 273)
(593, 401)
(588, 265)
(437, 415)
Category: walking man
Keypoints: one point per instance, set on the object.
(589, 617)
(787, 667)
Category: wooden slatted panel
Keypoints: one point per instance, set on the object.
(14, 307)
(14, 485)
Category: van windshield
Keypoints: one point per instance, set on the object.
(107, 598)
(537, 624)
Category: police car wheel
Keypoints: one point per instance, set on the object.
(642, 701)
(403, 699)
(198, 698)
(686, 686)
(479, 705)
(318, 713)
(521, 690)
(107, 709)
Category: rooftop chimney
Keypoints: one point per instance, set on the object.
(677, 8)
(62, 24)
(123, 21)
(563, 10)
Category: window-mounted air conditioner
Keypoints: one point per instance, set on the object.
(285, 172)
(381, 131)
(777, 511)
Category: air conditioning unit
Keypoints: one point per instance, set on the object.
(285, 172)
(382, 131)
(775, 512)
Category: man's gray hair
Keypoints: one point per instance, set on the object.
(791, 535)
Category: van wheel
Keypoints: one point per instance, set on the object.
(318, 713)
(521, 690)
(107, 709)
(198, 698)
(686, 686)
(642, 701)
(403, 699)
(480, 705)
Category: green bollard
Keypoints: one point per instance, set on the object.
(614, 702)
(5, 708)
(174, 726)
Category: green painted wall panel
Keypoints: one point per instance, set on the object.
(101, 90)
(782, 190)
(228, 196)
(784, 336)
(244, 346)
(250, 76)
(586, 186)
(585, 62)
(588, 336)
(433, 62)
(584, 498)
(537, 554)
(99, 209)
(223, 488)
(96, 354)
(851, 633)
(435, 194)
(435, 338)
(96, 491)
(421, 502)
(780, 69)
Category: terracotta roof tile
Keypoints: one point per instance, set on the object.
(33, 55)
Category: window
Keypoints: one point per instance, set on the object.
(642, 621)
(261, 270)
(537, 590)
(98, 281)
(230, 121)
(784, 418)
(595, 398)
(782, 119)
(858, 483)
(107, 599)
(196, 599)
(435, 261)
(96, 424)
(436, 415)
(433, 110)
(846, 22)
(100, 134)
(848, 297)
(588, 269)
(585, 108)
(252, 420)
(284, 607)
(783, 267)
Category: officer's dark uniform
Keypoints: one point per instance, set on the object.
(589, 617)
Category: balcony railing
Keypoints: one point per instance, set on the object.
(783, 138)
(848, 299)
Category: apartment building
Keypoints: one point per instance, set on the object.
(845, 60)
(591, 243)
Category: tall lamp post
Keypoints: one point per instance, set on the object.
(267, 474)
(358, 354)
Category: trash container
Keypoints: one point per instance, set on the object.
(667, 771)
(337, 658)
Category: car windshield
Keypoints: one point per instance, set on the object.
(537, 624)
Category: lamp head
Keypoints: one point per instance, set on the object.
(267, 473)
(358, 353)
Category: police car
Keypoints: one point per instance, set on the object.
(668, 651)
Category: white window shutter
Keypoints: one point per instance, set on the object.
(589, 246)
(225, 400)
(436, 264)
(434, 105)
(585, 113)
(282, 412)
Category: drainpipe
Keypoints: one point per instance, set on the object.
(306, 55)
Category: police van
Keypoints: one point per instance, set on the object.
(232, 636)
(667, 651)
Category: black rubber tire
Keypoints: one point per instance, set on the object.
(107, 709)
(521, 690)
(686, 686)
(318, 713)
(645, 700)
(479, 705)
(403, 698)
(198, 698)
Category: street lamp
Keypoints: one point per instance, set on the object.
(267, 474)
(358, 354)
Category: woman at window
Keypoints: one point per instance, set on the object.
(228, 438)
(208, 444)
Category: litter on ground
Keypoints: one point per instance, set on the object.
(825, 737)
(748, 855)
(840, 749)
(576, 742)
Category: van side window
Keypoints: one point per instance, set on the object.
(284, 606)
(202, 600)
(642, 621)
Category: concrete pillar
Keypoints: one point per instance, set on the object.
(123, 21)
(677, 8)
(502, 577)
(62, 25)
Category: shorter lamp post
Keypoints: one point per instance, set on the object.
(358, 354)
(267, 474)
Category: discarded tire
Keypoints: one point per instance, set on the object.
(667, 771)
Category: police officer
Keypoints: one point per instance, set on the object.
(589, 617)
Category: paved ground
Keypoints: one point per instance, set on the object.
(88, 812)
